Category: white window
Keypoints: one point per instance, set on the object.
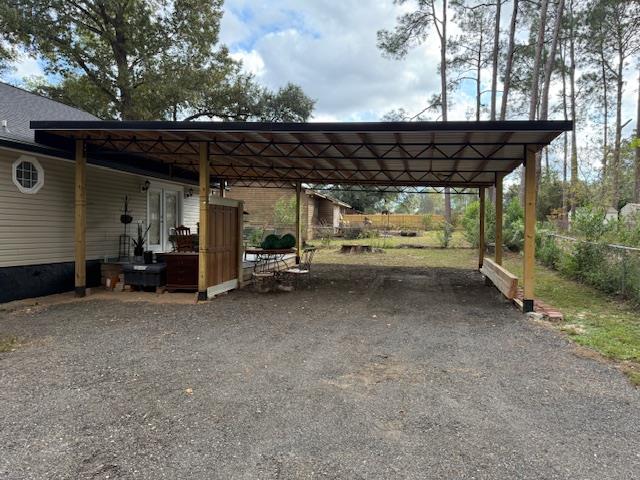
(28, 174)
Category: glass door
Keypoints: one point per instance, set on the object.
(170, 216)
(154, 237)
(163, 214)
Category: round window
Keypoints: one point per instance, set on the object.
(28, 175)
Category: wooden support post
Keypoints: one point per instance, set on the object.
(499, 219)
(240, 242)
(80, 226)
(298, 222)
(203, 241)
(223, 185)
(529, 230)
(481, 242)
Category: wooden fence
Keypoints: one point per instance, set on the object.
(394, 221)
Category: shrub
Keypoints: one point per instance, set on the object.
(548, 252)
(284, 211)
(427, 222)
(471, 223)
(588, 222)
(254, 236)
(445, 234)
(352, 233)
(369, 233)
(513, 227)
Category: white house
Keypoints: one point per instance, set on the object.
(630, 213)
(37, 202)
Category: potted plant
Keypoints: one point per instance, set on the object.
(138, 244)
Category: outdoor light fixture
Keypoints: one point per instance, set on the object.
(145, 186)
(188, 193)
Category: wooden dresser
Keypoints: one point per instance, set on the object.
(182, 270)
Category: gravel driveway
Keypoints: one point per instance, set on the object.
(374, 373)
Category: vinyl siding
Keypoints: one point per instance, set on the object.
(38, 228)
(191, 211)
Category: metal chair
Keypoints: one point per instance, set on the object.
(302, 270)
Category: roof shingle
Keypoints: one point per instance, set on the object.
(18, 107)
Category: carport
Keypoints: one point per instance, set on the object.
(467, 157)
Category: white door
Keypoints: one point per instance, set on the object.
(163, 213)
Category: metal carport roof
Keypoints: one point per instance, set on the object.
(435, 154)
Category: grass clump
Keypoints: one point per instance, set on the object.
(8, 344)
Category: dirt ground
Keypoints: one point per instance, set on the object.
(374, 372)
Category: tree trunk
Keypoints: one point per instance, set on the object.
(443, 61)
(548, 71)
(551, 60)
(535, 74)
(565, 136)
(605, 129)
(636, 190)
(509, 65)
(495, 53)
(535, 81)
(479, 80)
(615, 166)
(123, 77)
(443, 86)
(572, 82)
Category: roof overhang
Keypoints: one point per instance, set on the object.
(415, 154)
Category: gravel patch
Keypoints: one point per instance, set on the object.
(372, 373)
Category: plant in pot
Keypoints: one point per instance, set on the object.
(138, 244)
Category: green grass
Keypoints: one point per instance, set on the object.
(593, 319)
(8, 344)
(606, 324)
(401, 257)
(424, 239)
(634, 376)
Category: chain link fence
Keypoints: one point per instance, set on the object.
(614, 269)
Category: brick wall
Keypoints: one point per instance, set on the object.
(261, 202)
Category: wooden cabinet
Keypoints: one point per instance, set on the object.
(182, 270)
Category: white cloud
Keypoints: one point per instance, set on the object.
(329, 49)
(25, 66)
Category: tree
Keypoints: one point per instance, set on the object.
(495, 53)
(363, 200)
(572, 84)
(471, 53)
(616, 25)
(408, 203)
(413, 29)
(509, 61)
(7, 50)
(636, 190)
(142, 59)
(537, 62)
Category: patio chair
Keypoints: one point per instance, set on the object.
(184, 240)
(294, 276)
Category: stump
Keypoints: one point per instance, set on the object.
(356, 249)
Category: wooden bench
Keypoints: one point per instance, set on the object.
(504, 280)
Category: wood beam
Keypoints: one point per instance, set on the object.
(298, 222)
(529, 230)
(223, 185)
(499, 217)
(80, 225)
(240, 233)
(481, 242)
(203, 243)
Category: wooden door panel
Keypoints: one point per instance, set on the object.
(223, 245)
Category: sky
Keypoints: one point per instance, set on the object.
(329, 49)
